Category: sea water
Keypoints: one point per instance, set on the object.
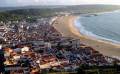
(101, 26)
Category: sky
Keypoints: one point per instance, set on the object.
(55, 2)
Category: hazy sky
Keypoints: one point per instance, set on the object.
(55, 2)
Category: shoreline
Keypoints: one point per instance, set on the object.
(65, 25)
(94, 36)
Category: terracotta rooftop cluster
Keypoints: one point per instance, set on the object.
(38, 46)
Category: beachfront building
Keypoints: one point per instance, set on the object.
(38, 46)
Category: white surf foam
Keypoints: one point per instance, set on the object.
(83, 31)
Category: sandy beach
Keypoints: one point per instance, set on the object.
(65, 25)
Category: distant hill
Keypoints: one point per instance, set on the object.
(76, 8)
(19, 13)
(92, 8)
(29, 7)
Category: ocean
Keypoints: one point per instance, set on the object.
(105, 26)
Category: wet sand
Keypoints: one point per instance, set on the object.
(65, 25)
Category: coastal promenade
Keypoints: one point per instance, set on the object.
(65, 25)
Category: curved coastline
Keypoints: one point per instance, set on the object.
(91, 35)
(65, 25)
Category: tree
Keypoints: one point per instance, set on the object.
(2, 59)
(81, 70)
